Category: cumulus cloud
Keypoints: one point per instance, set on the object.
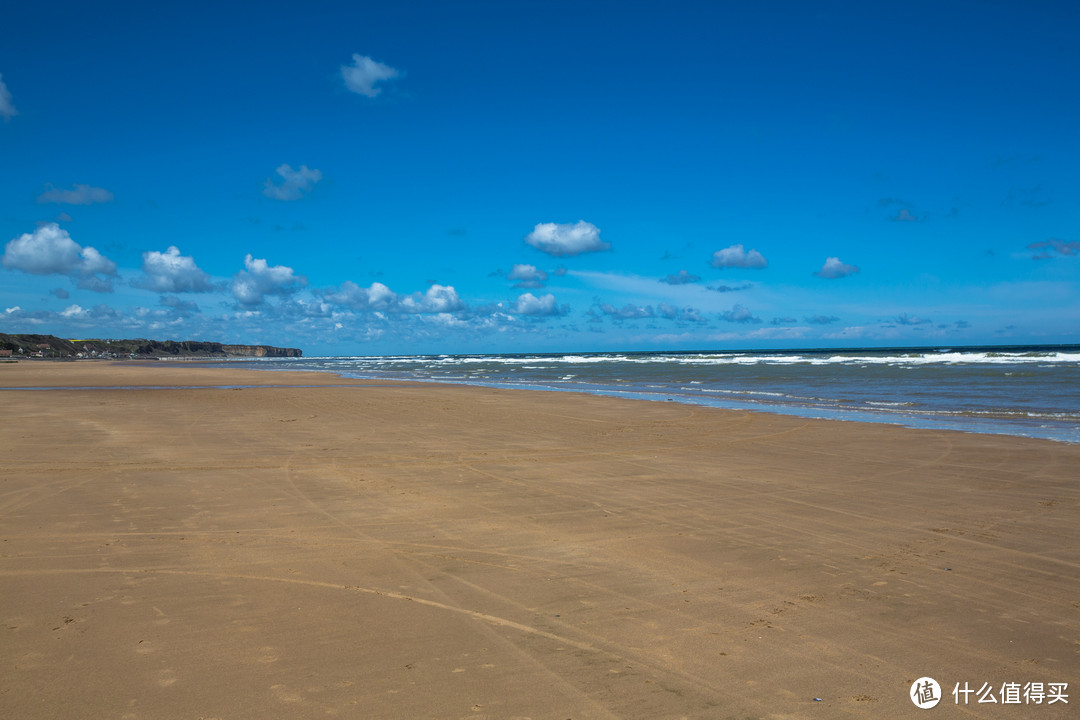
(376, 297)
(258, 279)
(97, 313)
(380, 296)
(686, 314)
(833, 268)
(682, 278)
(93, 283)
(94, 262)
(739, 314)
(729, 288)
(566, 240)
(527, 276)
(1048, 248)
(821, 319)
(294, 183)
(905, 319)
(437, 299)
(171, 272)
(183, 308)
(364, 73)
(738, 257)
(783, 321)
(78, 195)
(49, 250)
(7, 109)
(904, 216)
(544, 306)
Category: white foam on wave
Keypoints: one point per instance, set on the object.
(542, 362)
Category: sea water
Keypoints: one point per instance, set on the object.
(1032, 391)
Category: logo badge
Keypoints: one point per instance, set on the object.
(925, 693)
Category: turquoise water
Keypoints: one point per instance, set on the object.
(1031, 391)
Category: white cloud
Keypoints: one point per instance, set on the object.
(380, 296)
(94, 262)
(566, 240)
(7, 109)
(251, 285)
(905, 319)
(1046, 248)
(364, 73)
(77, 313)
(294, 183)
(78, 195)
(74, 312)
(171, 272)
(686, 314)
(49, 250)
(833, 268)
(183, 308)
(737, 257)
(437, 299)
(46, 251)
(380, 299)
(729, 288)
(528, 276)
(739, 314)
(377, 297)
(682, 278)
(98, 317)
(545, 306)
(446, 320)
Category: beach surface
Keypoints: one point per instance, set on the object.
(183, 541)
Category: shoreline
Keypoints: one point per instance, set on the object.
(842, 415)
(910, 419)
(409, 549)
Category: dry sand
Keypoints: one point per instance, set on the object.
(317, 547)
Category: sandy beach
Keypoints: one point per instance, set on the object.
(183, 541)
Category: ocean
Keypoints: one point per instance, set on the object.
(1033, 391)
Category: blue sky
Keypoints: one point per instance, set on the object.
(422, 177)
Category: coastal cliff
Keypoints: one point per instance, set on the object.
(50, 346)
(259, 351)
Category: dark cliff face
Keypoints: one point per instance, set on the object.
(54, 347)
(260, 351)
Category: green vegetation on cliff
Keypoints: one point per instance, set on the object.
(54, 347)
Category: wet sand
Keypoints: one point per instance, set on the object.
(294, 545)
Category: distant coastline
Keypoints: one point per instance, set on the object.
(50, 346)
